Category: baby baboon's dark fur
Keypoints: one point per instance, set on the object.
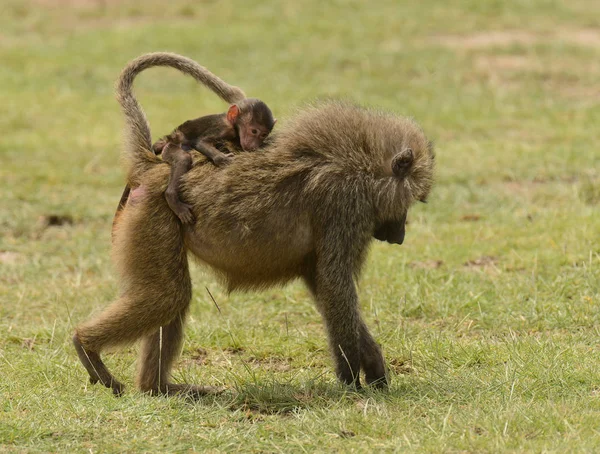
(245, 126)
(134, 113)
(307, 207)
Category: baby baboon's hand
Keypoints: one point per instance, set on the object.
(223, 160)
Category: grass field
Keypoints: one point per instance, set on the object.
(488, 315)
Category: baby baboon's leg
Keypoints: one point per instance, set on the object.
(371, 358)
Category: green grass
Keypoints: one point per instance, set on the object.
(489, 315)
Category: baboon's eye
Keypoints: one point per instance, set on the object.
(254, 132)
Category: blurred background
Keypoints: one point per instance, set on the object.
(488, 313)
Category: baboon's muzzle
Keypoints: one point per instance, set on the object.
(391, 231)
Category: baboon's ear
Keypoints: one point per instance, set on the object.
(233, 113)
(402, 162)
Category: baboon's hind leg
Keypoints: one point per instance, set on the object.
(96, 368)
(158, 353)
(155, 286)
(123, 322)
(118, 324)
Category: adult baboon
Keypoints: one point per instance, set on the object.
(306, 207)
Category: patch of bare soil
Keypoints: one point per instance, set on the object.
(272, 363)
(55, 220)
(518, 187)
(587, 94)
(84, 15)
(503, 70)
(10, 258)
(427, 264)
(76, 3)
(506, 63)
(482, 262)
(28, 343)
(528, 188)
(487, 39)
(588, 37)
(557, 76)
(199, 356)
(583, 37)
(401, 366)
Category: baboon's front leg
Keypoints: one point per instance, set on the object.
(371, 358)
(338, 304)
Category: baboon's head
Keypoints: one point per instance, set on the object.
(253, 121)
(406, 160)
(383, 159)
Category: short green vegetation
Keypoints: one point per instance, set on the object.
(489, 314)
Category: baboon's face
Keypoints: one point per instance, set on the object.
(391, 231)
(408, 168)
(253, 121)
(252, 135)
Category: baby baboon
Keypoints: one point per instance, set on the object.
(245, 125)
(307, 207)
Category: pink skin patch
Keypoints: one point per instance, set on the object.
(137, 194)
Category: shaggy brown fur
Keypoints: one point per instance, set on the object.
(306, 207)
(244, 126)
(135, 115)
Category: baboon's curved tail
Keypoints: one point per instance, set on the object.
(139, 140)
